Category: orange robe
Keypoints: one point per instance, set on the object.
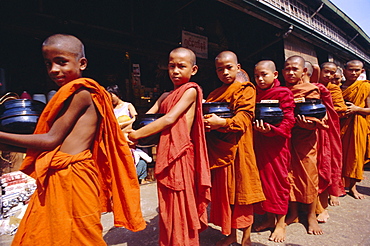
(338, 101)
(183, 176)
(355, 131)
(303, 173)
(73, 190)
(235, 177)
(273, 152)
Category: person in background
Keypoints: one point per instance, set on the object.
(126, 113)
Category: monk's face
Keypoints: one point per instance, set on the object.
(180, 68)
(293, 71)
(227, 69)
(327, 73)
(62, 66)
(352, 71)
(264, 77)
(337, 79)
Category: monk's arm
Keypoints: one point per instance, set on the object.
(155, 108)
(185, 102)
(351, 108)
(61, 127)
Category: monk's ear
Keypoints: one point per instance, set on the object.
(194, 70)
(276, 74)
(238, 66)
(83, 63)
(304, 71)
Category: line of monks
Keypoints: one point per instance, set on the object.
(83, 165)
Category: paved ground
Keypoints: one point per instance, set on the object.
(349, 224)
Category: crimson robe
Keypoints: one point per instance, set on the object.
(329, 157)
(273, 151)
(183, 176)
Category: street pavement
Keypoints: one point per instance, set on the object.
(348, 225)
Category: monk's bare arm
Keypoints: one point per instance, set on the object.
(155, 108)
(59, 130)
(186, 101)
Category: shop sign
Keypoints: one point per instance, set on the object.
(195, 42)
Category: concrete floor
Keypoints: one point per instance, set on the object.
(349, 224)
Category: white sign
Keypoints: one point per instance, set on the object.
(195, 42)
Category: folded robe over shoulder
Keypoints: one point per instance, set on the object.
(329, 156)
(303, 172)
(235, 177)
(273, 152)
(355, 131)
(183, 175)
(72, 191)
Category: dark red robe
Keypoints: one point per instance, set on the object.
(273, 152)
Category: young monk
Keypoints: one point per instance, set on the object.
(338, 77)
(312, 74)
(304, 173)
(78, 156)
(182, 168)
(354, 127)
(235, 179)
(272, 147)
(329, 144)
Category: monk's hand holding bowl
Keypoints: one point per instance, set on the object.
(305, 123)
(213, 122)
(130, 137)
(261, 126)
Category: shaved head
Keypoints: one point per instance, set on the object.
(328, 64)
(227, 54)
(309, 67)
(298, 59)
(354, 63)
(66, 42)
(339, 71)
(270, 65)
(189, 52)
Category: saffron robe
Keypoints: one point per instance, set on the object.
(355, 131)
(183, 176)
(72, 191)
(235, 177)
(330, 147)
(273, 152)
(303, 174)
(337, 97)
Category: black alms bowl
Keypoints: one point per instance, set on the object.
(20, 115)
(311, 107)
(143, 120)
(221, 109)
(269, 112)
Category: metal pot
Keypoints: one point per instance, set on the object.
(221, 109)
(311, 107)
(20, 115)
(143, 120)
(269, 112)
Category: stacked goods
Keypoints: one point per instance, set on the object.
(17, 188)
